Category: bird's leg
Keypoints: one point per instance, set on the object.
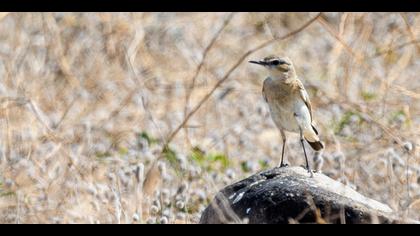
(304, 151)
(283, 135)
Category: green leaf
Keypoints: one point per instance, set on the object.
(198, 156)
(150, 140)
(102, 155)
(345, 120)
(221, 158)
(123, 151)
(396, 114)
(170, 155)
(368, 96)
(245, 168)
(263, 164)
(209, 161)
(6, 193)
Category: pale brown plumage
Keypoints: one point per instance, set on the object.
(289, 102)
(285, 92)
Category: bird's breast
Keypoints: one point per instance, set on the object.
(284, 104)
(283, 115)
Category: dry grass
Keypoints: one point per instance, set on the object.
(88, 102)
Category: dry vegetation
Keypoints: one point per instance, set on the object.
(88, 101)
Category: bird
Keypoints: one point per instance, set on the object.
(289, 104)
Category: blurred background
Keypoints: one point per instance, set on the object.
(88, 102)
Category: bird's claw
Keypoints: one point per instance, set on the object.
(283, 165)
(311, 173)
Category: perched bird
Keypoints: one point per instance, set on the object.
(289, 103)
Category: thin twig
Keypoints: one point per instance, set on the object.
(380, 53)
(66, 112)
(413, 38)
(201, 64)
(360, 61)
(51, 26)
(410, 30)
(203, 58)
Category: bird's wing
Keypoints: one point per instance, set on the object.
(263, 93)
(263, 89)
(305, 97)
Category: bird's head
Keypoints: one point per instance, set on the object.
(278, 66)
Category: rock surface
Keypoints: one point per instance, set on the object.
(289, 195)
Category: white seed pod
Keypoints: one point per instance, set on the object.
(166, 212)
(179, 197)
(181, 216)
(124, 181)
(394, 158)
(167, 178)
(400, 119)
(165, 193)
(8, 183)
(156, 202)
(136, 217)
(96, 206)
(347, 131)
(201, 195)
(154, 209)
(151, 220)
(354, 119)
(111, 177)
(55, 220)
(408, 146)
(182, 188)
(183, 162)
(148, 156)
(338, 157)
(230, 173)
(91, 190)
(163, 220)
(180, 205)
(162, 168)
(139, 172)
(166, 202)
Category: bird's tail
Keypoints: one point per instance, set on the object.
(311, 136)
(316, 145)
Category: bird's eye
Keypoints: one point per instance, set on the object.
(276, 62)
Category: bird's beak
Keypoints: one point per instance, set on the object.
(262, 63)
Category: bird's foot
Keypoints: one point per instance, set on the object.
(311, 173)
(283, 165)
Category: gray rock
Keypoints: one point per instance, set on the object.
(289, 195)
